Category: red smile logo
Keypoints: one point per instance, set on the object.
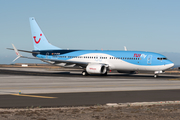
(38, 40)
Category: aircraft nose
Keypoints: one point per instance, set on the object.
(172, 64)
(169, 64)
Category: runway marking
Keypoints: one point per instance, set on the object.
(33, 96)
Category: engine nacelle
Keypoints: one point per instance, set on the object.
(96, 68)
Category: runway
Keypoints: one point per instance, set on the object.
(62, 88)
(87, 98)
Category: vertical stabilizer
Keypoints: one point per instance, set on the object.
(39, 40)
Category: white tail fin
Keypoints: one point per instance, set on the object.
(39, 40)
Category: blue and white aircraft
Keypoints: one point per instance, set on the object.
(94, 61)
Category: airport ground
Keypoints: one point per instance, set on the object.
(69, 95)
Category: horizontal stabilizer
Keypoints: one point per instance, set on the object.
(24, 51)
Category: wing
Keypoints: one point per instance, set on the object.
(56, 61)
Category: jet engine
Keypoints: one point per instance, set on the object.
(96, 68)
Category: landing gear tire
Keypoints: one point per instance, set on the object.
(104, 74)
(84, 73)
(155, 75)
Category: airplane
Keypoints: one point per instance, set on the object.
(93, 61)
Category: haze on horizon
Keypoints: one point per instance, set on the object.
(110, 25)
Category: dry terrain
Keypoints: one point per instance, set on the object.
(148, 112)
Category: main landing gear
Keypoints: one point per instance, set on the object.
(104, 74)
(155, 75)
(84, 73)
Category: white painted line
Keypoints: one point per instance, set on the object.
(112, 104)
(150, 103)
(143, 103)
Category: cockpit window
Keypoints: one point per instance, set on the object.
(162, 58)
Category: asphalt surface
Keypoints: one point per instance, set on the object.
(44, 88)
(86, 98)
(75, 73)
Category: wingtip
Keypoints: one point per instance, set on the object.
(16, 51)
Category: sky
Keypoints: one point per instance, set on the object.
(143, 25)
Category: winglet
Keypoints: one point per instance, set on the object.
(125, 48)
(17, 53)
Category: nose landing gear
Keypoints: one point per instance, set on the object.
(157, 72)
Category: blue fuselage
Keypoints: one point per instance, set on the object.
(138, 58)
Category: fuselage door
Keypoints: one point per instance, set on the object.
(149, 59)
